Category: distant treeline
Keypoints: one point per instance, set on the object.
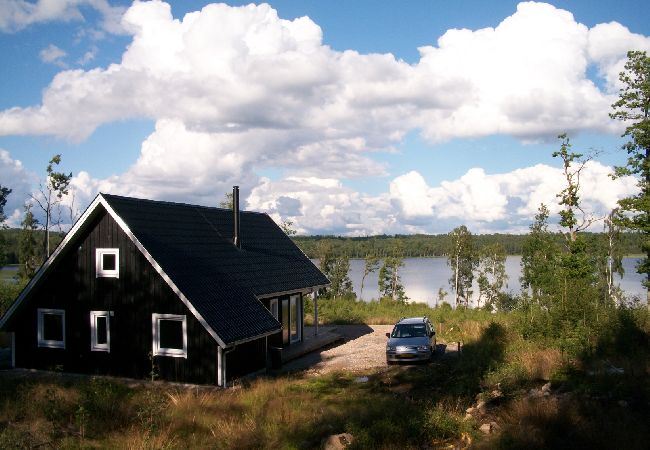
(425, 245)
(415, 245)
(10, 242)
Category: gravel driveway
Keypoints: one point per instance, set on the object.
(364, 348)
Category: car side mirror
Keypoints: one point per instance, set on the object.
(387, 335)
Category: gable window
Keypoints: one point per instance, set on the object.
(169, 335)
(107, 262)
(51, 328)
(100, 331)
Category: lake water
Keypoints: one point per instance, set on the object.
(422, 277)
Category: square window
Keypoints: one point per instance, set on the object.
(169, 335)
(51, 328)
(107, 262)
(100, 331)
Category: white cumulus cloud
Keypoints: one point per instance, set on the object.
(16, 15)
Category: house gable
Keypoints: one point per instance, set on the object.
(71, 285)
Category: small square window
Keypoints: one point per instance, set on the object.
(107, 261)
(169, 333)
(100, 331)
(51, 328)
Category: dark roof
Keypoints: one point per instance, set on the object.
(193, 245)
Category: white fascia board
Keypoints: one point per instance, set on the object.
(48, 263)
(160, 271)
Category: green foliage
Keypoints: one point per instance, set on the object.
(28, 251)
(633, 108)
(371, 264)
(492, 275)
(227, 201)
(420, 245)
(462, 258)
(52, 190)
(336, 269)
(8, 293)
(539, 258)
(389, 280)
(4, 193)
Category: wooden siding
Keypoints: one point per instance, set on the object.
(133, 297)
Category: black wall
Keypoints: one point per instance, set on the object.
(133, 297)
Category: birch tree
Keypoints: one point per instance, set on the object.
(50, 195)
(463, 261)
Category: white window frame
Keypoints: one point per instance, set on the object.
(155, 332)
(42, 342)
(99, 263)
(273, 308)
(94, 345)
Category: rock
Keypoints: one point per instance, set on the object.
(480, 406)
(496, 394)
(535, 393)
(470, 410)
(486, 428)
(494, 426)
(467, 416)
(338, 441)
(546, 387)
(361, 379)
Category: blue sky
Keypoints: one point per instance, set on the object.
(346, 117)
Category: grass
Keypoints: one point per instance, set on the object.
(397, 407)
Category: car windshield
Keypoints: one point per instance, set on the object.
(409, 330)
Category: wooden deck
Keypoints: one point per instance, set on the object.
(311, 342)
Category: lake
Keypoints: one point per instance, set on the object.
(422, 277)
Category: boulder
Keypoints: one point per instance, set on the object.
(337, 441)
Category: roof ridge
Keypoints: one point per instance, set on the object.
(166, 202)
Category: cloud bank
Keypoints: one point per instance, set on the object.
(237, 91)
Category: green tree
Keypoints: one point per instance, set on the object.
(371, 264)
(572, 216)
(492, 273)
(4, 193)
(608, 257)
(633, 108)
(539, 258)
(28, 249)
(390, 282)
(287, 227)
(51, 193)
(227, 201)
(463, 261)
(341, 285)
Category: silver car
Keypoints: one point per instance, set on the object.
(412, 339)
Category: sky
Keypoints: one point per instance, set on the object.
(345, 117)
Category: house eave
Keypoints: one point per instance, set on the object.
(306, 290)
(252, 338)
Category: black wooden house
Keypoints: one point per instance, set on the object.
(190, 293)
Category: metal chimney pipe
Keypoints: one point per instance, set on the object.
(236, 239)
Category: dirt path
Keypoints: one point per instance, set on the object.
(364, 348)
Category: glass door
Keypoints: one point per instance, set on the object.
(285, 321)
(295, 318)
